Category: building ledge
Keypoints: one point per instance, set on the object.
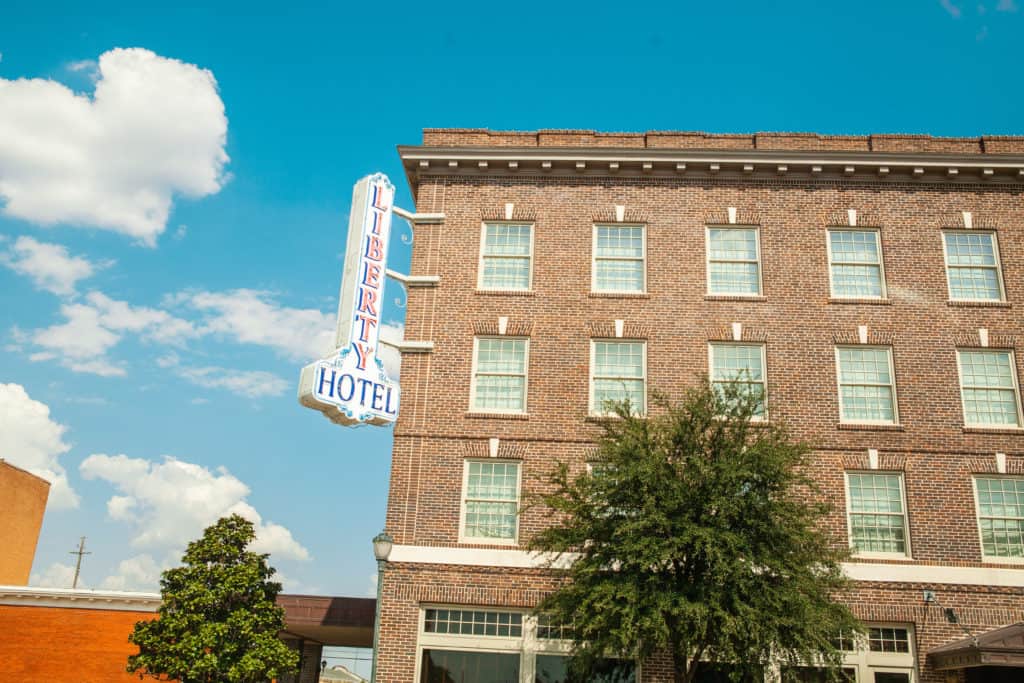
(862, 302)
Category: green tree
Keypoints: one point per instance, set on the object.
(218, 620)
(697, 533)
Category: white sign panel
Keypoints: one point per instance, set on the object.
(351, 386)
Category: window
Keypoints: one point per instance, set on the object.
(884, 639)
(506, 256)
(855, 264)
(972, 266)
(445, 666)
(733, 261)
(877, 515)
(740, 364)
(477, 645)
(490, 506)
(619, 258)
(473, 622)
(499, 375)
(988, 387)
(555, 669)
(866, 388)
(886, 655)
(618, 372)
(1001, 517)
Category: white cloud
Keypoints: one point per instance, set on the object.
(57, 575)
(248, 383)
(169, 503)
(138, 573)
(154, 128)
(93, 328)
(49, 266)
(253, 317)
(31, 440)
(300, 334)
(953, 10)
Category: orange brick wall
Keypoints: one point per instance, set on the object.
(61, 645)
(22, 502)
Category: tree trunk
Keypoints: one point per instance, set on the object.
(679, 666)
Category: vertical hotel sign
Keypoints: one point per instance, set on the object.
(351, 386)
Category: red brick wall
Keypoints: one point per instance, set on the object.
(436, 432)
(61, 645)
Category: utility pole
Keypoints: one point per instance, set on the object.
(78, 564)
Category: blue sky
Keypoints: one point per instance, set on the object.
(169, 248)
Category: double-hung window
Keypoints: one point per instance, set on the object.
(618, 372)
(988, 386)
(734, 264)
(855, 264)
(1001, 517)
(619, 252)
(972, 266)
(499, 375)
(490, 501)
(506, 256)
(877, 513)
(742, 366)
(867, 390)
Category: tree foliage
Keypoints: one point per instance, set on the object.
(218, 621)
(696, 533)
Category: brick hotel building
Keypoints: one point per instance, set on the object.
(873, 287)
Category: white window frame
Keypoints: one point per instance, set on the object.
(1016, 389)
(895, 422)
(994, 559)
(866, 662)
(995, 254)
(594, 259)
(593, 411)
(764, 371)
(708, 260)
(874, 554)
(528, 646)
(463, 496)
(480, 262)
(881, 263)
(526, 376)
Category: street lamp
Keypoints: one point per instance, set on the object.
(382, 544)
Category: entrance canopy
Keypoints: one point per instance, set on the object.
(999, 647)
(344, 622)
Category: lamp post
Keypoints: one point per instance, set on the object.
(382, 544)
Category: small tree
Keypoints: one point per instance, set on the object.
(696, 533)
(218, 619)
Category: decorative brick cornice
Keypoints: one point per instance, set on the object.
(876, 337)
(880, 160)
(491, 328)
(841, 218)
(507, 450)
(995, 341)
(744, 216)
(519, 214)
(887, 462)
(605, 329)
(888, 612)
(630, 215)
(724, 333)
(956, 221)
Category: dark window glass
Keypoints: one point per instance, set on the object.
(888, 640)
(813, 674)
(891, 677)
(450, 666)
(555, 669)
